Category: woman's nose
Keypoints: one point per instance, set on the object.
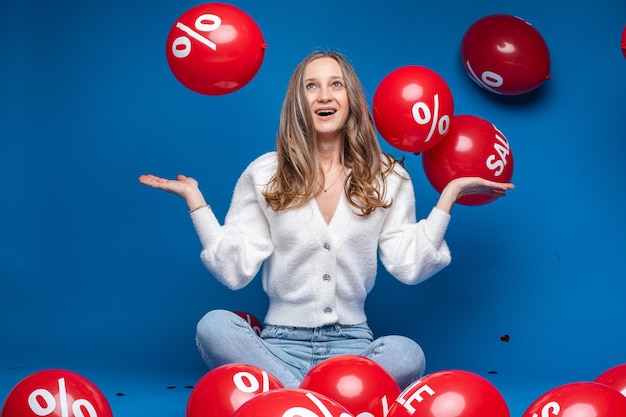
(324, 94)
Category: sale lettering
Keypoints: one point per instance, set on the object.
(498, 162)
(407, 403)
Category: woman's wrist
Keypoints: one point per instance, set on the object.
(448, 198)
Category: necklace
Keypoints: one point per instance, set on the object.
(331, 185)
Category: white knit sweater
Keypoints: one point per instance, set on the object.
(316, 273)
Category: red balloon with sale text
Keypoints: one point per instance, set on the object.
(474, 147)
(356, 382)
(222, 390)
(505, 54)
(579, 399)
(215, 49)
(291, 402)
(450, 393)
(55, 393)
(412, 107)
(614, 377)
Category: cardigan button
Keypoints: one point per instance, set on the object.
(328, 310)
(326, 277)
(326, 247)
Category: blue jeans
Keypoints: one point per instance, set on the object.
(288, 353)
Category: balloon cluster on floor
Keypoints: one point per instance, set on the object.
(343, 386)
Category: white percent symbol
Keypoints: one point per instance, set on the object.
(422, 115)
(305, 412)
(181, 47)
(248, 383)
(42, 402)
(488, 79)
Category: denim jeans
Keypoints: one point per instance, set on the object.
(288, 353)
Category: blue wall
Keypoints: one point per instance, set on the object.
(100, 272)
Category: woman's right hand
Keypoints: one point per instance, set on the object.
(184, 187)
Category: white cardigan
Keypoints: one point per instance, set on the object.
(316, 273)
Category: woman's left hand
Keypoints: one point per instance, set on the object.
(460, 187)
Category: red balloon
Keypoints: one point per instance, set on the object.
(614, 377)
(55, 393)
(222, 390)
(356, 382)
(215, 49)
(254, 322)
(450, 393)
(579, 399)
(473, 148)
(412, 107)
(624, 42)
(505, 54)
(291, 402)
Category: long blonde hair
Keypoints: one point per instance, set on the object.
(296, 178)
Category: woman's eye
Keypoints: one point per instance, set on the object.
(337, 84)
(309, 86)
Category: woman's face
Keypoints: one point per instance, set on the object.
(327, 97)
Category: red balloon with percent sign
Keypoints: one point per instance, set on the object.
(356, 382)
(222, 390)
(505, 54)
(56, 393)
(579, 399)
(254, 322)
(474, 147)
(215, 49)
(412, 107)
(614, 377)
(291, 402)
(450, 393)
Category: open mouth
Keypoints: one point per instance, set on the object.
(325, 112)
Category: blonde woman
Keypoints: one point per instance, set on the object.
(315, 216)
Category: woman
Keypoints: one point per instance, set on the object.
(315, 215)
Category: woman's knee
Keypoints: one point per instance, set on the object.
(401, 356)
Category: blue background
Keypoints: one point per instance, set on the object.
(102, 276)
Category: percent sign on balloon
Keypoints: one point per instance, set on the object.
(248, 383)
(305, 412)
(422, 115)
(43, 403)
(488, 80)
(181, 47)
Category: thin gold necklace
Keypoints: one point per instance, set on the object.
(331, 185)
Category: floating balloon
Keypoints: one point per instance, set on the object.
(474, 147)
(450, 393)
(254, 322)
(624, 42)
(222, 390)
(579, 399)
(215, 49)
(412, 107)
(505, 54)
(614, 377)
(356, 382)
(291, 402)
(55, 393)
